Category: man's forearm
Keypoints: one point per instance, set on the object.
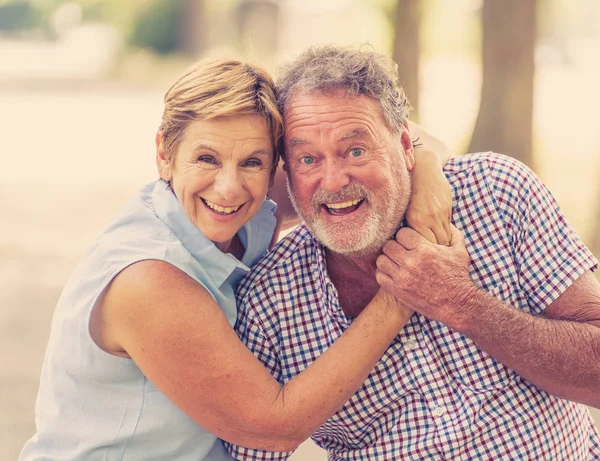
(560, 357)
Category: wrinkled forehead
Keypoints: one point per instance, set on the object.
(317, 116)
(326, 94)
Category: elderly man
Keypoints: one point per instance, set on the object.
(505, 338)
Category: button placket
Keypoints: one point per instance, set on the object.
(438, 411)
(411, 344)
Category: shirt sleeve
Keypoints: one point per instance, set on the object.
(549, 254)
(259, 335)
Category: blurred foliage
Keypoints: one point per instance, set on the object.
(150, 24)
(16, 15)
(153, 24)
(26, 14)
(158, 26)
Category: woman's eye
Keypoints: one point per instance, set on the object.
(356, 152)
(307, 160)
(253, 163)
(207, 159)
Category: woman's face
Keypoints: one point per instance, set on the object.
(221, 173)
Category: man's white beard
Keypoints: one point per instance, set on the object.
(375, 232)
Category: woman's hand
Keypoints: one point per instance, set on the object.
(391, 302)
(430, 209)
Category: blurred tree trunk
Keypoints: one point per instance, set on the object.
(258, 23)
(195, 34)
(505, 120)
(407, 48)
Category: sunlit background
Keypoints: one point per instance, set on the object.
(81, 86)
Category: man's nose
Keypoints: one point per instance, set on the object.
(228, 184)
(334, 176)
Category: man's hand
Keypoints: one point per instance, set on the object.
(431, 279)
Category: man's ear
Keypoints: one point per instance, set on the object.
(163, 163)
(407, 147)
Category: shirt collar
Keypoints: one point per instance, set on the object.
(320, 267)
(169, 210)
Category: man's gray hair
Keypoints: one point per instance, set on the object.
(358, 71)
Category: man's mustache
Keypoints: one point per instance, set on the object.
(349, 192)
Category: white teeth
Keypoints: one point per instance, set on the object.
(222, 209)
(337, 206)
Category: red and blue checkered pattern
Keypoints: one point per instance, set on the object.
(434, 395)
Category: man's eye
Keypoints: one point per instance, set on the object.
(356, 152)
(307, 160)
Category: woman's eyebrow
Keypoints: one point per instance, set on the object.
(201, 146)
(263, 152)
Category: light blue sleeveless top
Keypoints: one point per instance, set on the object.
(95, 406)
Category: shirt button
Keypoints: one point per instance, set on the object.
(410, 344)
(438, 411)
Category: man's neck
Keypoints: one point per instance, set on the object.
(364, 264)
(354, 279)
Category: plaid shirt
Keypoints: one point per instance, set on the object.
(434, 395)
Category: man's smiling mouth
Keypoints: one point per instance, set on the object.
(343, 208)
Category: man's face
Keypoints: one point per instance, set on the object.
(348, 175)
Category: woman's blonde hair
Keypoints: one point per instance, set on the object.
(216, 88)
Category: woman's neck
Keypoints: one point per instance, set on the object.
(233, 246)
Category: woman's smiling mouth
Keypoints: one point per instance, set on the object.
(222, 210)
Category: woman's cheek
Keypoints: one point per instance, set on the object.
(258, 180)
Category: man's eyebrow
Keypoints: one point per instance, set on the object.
(351, 134)
(354, 133)
(297, 142)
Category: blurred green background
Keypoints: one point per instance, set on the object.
(81, 87)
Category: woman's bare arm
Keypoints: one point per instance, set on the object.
(430, 208)
(178, 336)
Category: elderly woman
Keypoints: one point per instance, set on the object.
(143, 362)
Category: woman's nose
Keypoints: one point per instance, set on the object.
(228, 184)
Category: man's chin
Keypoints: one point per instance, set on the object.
(351, 239)
(366, 252)
(352, 248)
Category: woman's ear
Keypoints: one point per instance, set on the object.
(407, 147)
(163, 163)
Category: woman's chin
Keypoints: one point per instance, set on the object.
(219, 236)
(219, 233)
